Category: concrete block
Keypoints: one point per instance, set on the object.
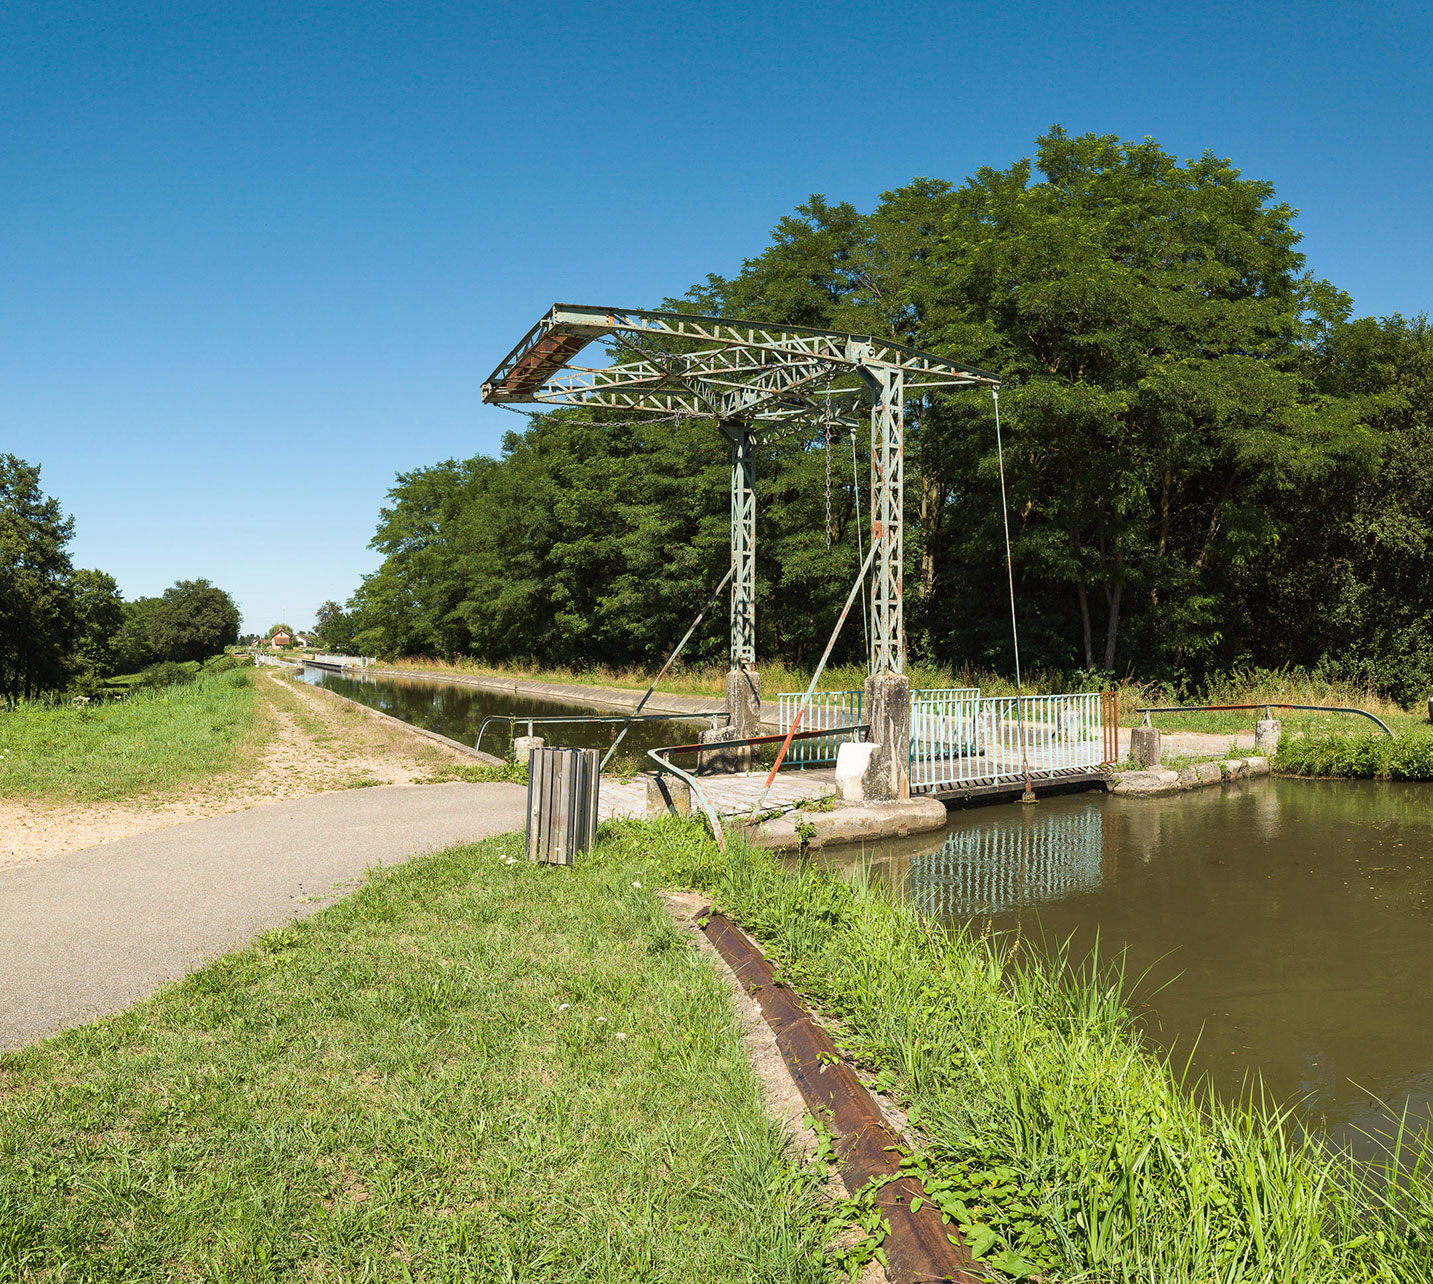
(522, 746)
(1258, 766)
(1146, 744)
(888, 710)
(720, 761)
(1234, 768)
(853, 760)
(1189, 777)
(1148, 783)
(1208, 773)
(666, 794)
(1266, 736)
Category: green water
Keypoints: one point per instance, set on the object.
(1280, 927)
(459, 712)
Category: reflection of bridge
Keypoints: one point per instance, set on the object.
(994, 868)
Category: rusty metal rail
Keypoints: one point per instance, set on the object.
(919, 1246)
(710, 812)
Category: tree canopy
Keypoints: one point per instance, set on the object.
(1181, 396)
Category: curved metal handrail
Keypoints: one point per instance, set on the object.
(1266, 705)
(710, 812)
(512, 719)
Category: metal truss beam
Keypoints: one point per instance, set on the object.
(704, 365)
(888, 467)
(743, 546)
(750, 378)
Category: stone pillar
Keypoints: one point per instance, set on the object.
(1146, 744)
(522, 746)
(888, 710)
(1267, 733)
(668, 793)
(743, 703)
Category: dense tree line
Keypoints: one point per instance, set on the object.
(62, 627)
(1209, 463)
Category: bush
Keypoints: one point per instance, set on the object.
(167, 673)
(224, 663)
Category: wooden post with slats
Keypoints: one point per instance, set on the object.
(561, 803)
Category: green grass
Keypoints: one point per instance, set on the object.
(151, 742)
(1054, 1135)
(468, 1070)
(1408, 755)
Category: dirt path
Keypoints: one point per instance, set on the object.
(310, 742)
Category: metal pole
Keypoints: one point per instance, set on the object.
(1005, 521)
(701, 615)
(815, 678)
(743, 545)
(888, 651)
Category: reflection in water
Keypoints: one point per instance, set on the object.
(1282, 928)
(1009, 863)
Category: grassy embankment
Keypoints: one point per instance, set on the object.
(1056, 1137)
(473, 1068)
(426, 1081)
(154, 741)
(1407, 756)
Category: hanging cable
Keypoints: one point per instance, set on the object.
(860, 548)
(1005, 521)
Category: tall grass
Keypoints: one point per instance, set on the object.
(1053, 1134)
(154, 741)
(1408, 755)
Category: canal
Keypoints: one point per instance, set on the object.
(1281, 927)
(458, 712)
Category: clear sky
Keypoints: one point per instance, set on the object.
(256, 258)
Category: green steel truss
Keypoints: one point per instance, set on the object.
(750, 378)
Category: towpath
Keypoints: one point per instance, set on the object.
(91, 932)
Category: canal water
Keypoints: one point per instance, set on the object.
(459, 711)
(1283, 927)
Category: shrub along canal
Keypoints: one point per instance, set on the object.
(1279, 928)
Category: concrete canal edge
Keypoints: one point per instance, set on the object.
(1155, 781)
(467, 750)
(849, 824)
(564, 692)
(919, 1246)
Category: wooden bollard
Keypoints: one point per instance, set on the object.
(561, 804)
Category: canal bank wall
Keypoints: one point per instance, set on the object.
(1156, 781)
(570, 693)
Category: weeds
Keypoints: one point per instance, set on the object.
(1049, 1131)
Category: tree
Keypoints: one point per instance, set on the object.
(193, 621)
(1150, 317)
(37, 618)
(334, 625)
(99, 624)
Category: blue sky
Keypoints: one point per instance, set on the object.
(258, 257)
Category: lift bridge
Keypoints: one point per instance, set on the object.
(751, 378)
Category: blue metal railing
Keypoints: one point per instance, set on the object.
(828, 709)
(958, 741)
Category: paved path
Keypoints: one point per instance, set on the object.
(91, 932)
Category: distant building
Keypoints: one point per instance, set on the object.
(280, 639)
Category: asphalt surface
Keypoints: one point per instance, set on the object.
(91, 932)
